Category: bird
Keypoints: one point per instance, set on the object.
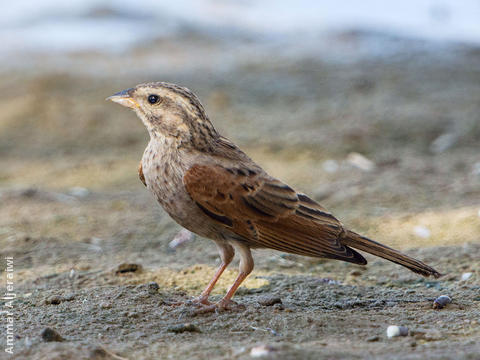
(209, 186)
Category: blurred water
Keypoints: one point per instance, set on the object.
(107, 25)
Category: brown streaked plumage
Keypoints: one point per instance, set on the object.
(212, 188)
(140, 174)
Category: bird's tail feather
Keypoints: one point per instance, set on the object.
(360, 242)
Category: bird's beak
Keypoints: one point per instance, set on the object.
(124, 98)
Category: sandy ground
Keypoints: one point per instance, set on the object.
(72, 209)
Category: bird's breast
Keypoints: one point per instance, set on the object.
(163, 169)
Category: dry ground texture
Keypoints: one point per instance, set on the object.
(72, 209)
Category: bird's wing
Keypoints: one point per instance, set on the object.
(266, 212)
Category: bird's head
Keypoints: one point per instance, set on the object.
(168, 110)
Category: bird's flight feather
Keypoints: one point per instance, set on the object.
(267, 212)
(241, 196)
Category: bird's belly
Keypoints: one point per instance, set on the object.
(172, 196)
(187, 214)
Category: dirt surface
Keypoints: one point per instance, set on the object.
(139, 315)
(73, 210)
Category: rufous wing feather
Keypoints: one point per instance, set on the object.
(266, 212)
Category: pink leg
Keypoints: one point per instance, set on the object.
(226, 254)
(246, 267)
(203, 298)
(227, 299)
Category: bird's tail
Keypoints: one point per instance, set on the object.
(372, 247)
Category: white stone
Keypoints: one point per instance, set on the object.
(360, 162)
(182, 237)
(443, 143)
(72, 273)
(476, 169)
(78, 191)
(394, 331)
(422, 231)
(261, 350)
(330, 166)
(466, 276)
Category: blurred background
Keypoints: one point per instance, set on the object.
(371, 107)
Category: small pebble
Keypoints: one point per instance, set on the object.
(330, 166)
(57, 299)
(95, 241)
(443, 143)
(53, 300)
(183, 237)
(105, 305)
(331, 281)
(422, 231)
(394, 331)
(466, 276)
(476, 169)
(49, 335)
(125, 268)
(269, 300)
(69, 297)
(360, 162)
(262, 350)
(28, 342)
(78, 191)
(181, 328)
(153, 287)
(441, 302)
(278, 307)
(239, 351)
(373, 338)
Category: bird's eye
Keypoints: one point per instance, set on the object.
(153, 99)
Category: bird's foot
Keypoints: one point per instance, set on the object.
(201, 300)
(222, 305)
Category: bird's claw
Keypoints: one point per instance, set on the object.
(201, 300)
(219, 307)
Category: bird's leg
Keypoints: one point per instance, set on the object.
(245, 268)
(226, 255)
